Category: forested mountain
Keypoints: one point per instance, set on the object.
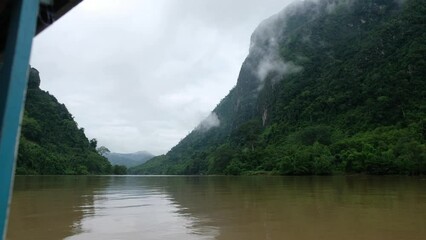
(129, 159)
(328, 86)
(51, 142)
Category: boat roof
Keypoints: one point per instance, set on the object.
(49, 12)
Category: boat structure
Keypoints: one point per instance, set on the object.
(20, 22)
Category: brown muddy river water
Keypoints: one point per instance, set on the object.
(223, 208)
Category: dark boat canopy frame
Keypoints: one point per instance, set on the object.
(20, 21)
(49, 12)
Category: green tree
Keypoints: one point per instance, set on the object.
(103, 151)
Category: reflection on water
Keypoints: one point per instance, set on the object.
(223, 208)
(131, 208)
(99, 208)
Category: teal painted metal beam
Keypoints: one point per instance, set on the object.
(13, 85)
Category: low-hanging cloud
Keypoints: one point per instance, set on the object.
(274, 64)
(265, 41)
(210, 122)
(266, 48)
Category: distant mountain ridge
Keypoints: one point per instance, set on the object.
(129, 159)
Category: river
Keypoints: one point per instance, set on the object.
(223, 208)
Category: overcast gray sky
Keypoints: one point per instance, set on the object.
(141, 74)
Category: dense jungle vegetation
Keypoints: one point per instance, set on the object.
(51, 141)
(344, 92)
